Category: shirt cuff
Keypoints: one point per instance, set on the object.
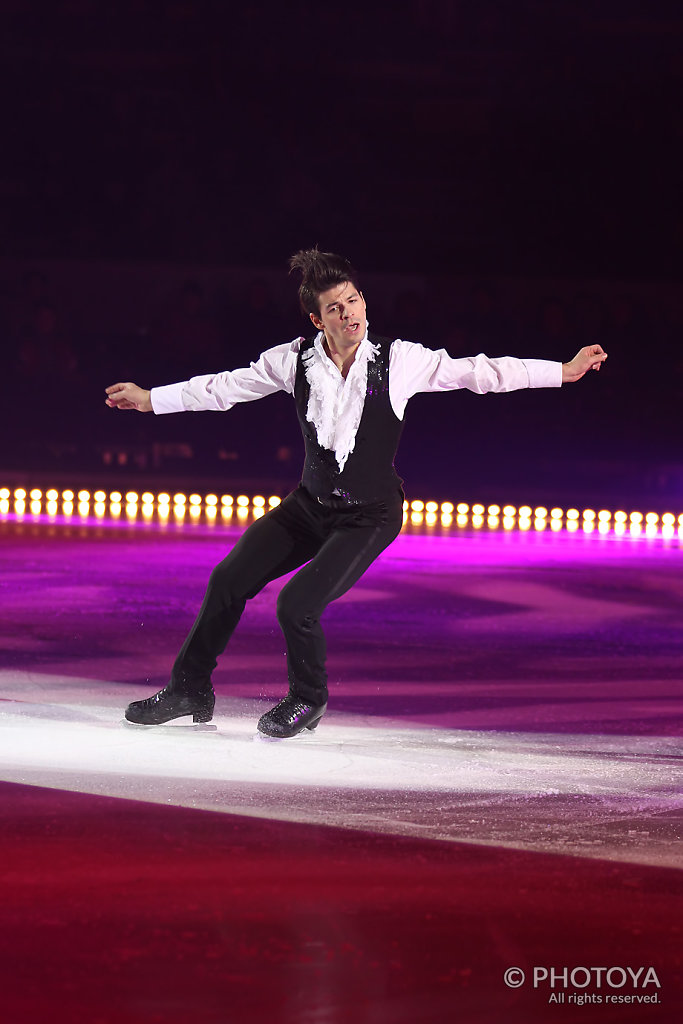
(168, 398)
(543, 373)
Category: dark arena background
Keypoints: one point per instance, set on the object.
(486, 826)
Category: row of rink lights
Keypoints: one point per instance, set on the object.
(417, 513)
(540, 518)
(116, 503)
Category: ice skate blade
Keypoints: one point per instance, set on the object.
(261, 737)
(174, 724)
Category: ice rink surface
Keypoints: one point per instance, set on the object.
(501, 760)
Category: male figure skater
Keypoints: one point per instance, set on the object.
(350, 390)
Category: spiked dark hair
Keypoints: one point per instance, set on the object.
(320, 271)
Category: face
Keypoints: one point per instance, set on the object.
(342, 315)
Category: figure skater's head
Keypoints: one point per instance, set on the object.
(320, 271)
(330, 295)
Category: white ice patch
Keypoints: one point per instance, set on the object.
(616, 797)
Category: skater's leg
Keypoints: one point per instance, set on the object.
(274, 545)
(271, 547)
(339, 563)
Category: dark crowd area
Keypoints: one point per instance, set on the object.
(504, 175)
(73, 330)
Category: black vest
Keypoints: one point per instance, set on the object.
(368, 473)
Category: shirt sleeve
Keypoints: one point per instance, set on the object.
(275, 370)
(414, 368)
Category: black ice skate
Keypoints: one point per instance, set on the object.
(173, 702)
(289, 717)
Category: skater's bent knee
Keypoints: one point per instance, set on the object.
(292, 613)
(223, 582)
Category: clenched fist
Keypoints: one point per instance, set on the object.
(128, 396)
(589, 358)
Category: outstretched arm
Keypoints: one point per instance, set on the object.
(275, 370)
(589, 358)
(128, 396)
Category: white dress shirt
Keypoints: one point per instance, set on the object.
(412, 369)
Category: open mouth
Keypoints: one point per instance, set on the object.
(351, 328)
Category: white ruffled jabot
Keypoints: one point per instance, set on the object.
(335, 405)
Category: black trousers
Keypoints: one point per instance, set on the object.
(337, 545)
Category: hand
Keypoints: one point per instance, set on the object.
(128, 396)
(589, 358)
